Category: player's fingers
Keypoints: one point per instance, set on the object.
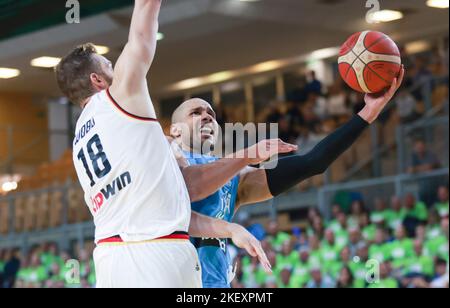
(251, 250)
(396, 83)
(262, 257)
(288, 146)
(401, 77)
(393, 88)
(285, 144)
(261, 253)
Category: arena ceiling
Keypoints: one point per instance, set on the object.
(201, 36)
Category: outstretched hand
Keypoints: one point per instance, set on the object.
(245, 240)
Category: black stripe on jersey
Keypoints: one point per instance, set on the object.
(126, 112)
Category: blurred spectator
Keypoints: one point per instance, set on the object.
(422, 159)
(309, 111)
(355, 240)
(440, 280)
(380, 249)
(380, 214)
(406, 106)
(285, 280)
(420, 75)
(438, 246)
(394, 216)
(337, 100)
(307, 140)
(274, 115)
(414, 213)
(275, 237)
(401, 248)
(285, 131)
(318, 280)
(442, 204)
(357, 210)
(368, 229)
(313, 85)
(345, 279)
(294, 116)
(432, 228)
(299, 95)
(418, 262)
(319, 106)
(11, 269)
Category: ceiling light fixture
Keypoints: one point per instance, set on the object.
(7, 73)
(46, 62)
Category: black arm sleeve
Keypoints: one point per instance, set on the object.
(292, 170)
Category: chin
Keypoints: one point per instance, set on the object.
(207, 145)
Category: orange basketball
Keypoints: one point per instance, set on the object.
(369, 61)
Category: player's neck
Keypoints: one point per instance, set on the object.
(84, 103)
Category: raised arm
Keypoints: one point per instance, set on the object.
(129, 87)
(259, 185)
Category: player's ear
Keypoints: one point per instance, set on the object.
(175, 131)
(98, 82)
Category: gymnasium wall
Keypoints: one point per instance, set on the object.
(28, 120)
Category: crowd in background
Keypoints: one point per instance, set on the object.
(408, 239)
(404, 244)
(46, 266)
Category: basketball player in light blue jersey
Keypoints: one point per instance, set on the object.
(230, 183)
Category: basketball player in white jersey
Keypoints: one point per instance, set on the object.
(132, 183)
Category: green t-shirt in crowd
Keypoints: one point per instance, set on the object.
(400, 250)
(379, 216)
(369, 232)
(359, 272)
(47, 259)
(333, 268)
(388, 283)
(329, 253)
(442, 208)
(289, 260)
(278, 240)
(419, 211)
(380, 252)
(315, 257)
(334, 225)
(433, 231)
(341, 238)
(437, 247)
(394, 219)
(301, 274)
(419, 264)
(33, 274)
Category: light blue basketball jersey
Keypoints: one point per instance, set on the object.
(217, 270)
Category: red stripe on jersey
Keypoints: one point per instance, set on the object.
(174, 236)
(126, 112)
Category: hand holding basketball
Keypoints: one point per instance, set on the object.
(375, 102)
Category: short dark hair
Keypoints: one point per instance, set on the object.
(74, 70)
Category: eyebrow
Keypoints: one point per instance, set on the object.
(208, 110)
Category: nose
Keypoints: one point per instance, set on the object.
(206, 118)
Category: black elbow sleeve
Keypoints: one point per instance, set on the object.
(292, 170)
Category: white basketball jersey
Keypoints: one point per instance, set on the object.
(131, 180)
